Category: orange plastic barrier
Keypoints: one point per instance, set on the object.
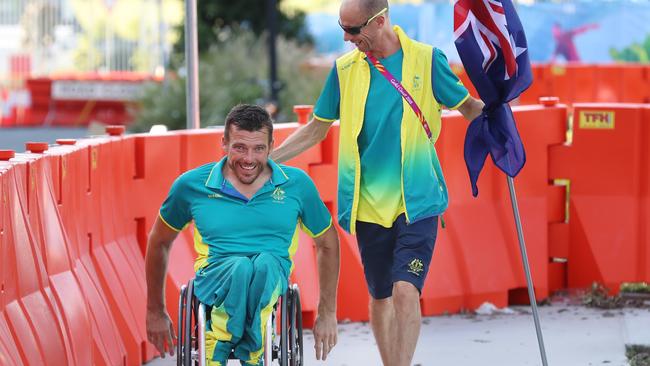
(305, 272)
(29, 307)
(9, 354)
(8, 349)
(352, 291)
(45, 109)
(477, 255)
(150, 187)
(608, 213)
(52, 242)
(636, 84)
(578, 83)
(540, 87)
(74, 221)
(122, 281)
(71, 186)
(198, 147)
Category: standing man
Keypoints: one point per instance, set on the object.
(246, 211)
(391, 189)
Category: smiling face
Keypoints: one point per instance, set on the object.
(248, 152)
(353, 14)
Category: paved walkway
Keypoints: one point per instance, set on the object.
(574, 336)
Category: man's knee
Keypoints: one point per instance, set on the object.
(380, 303)
(405, 294)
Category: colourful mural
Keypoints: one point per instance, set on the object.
(579, 31)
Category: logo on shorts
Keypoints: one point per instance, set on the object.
(278, 195)
(416, 267)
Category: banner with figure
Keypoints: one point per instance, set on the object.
(560, 32)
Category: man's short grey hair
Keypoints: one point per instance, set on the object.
(372, 7)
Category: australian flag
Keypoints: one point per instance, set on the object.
(492, 46)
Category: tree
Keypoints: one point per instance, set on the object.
(231, 72)
(633, 53)
(216, 17)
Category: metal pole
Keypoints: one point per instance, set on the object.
(192, 64)
(271, 11)
(524, 258)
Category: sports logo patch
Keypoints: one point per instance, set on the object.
(416, 267)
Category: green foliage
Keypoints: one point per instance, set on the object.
(638, 355)
(598, 297)
(637, 287)
(231, 72)
(215, 16)
(631, 295)
(634, 53)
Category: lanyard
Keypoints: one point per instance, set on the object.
(405, 94)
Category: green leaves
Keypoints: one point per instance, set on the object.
(231, 72)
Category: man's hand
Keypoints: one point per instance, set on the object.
(325, 335)
(159, 327)
(327, 257)
(160, 331)
(300, 140)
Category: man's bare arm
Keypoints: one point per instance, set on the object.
(302, 139)
(160, 331)
(471, 109)
(327, 255)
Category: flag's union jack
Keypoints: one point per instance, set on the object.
(492, 45)
(487, 22)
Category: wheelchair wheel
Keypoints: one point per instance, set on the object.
(269, 351)
(284, 329)
(192, 351)
(295, 328)
(181, 326)
(200, 330)
(188, 325)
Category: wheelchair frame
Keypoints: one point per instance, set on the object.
(288, 349)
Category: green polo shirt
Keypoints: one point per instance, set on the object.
(227, 223)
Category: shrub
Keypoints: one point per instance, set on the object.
(234, 71)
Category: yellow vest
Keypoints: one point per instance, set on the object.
(424, 192)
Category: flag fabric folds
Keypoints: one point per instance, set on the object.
(492, 46)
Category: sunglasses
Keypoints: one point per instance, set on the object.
(357, 29)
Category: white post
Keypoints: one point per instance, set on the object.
(192, 65)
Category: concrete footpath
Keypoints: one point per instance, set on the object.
(573, 335)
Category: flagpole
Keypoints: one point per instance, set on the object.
(524, 259)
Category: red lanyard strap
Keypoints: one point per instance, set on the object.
(405, 94)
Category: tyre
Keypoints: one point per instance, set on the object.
(295, 329)
(188, 325)
(181, 326)
(284, 327)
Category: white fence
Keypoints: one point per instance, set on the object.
(49, 37)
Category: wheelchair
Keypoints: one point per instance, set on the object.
(287, 349)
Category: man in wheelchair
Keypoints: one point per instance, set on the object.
(246, 211)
